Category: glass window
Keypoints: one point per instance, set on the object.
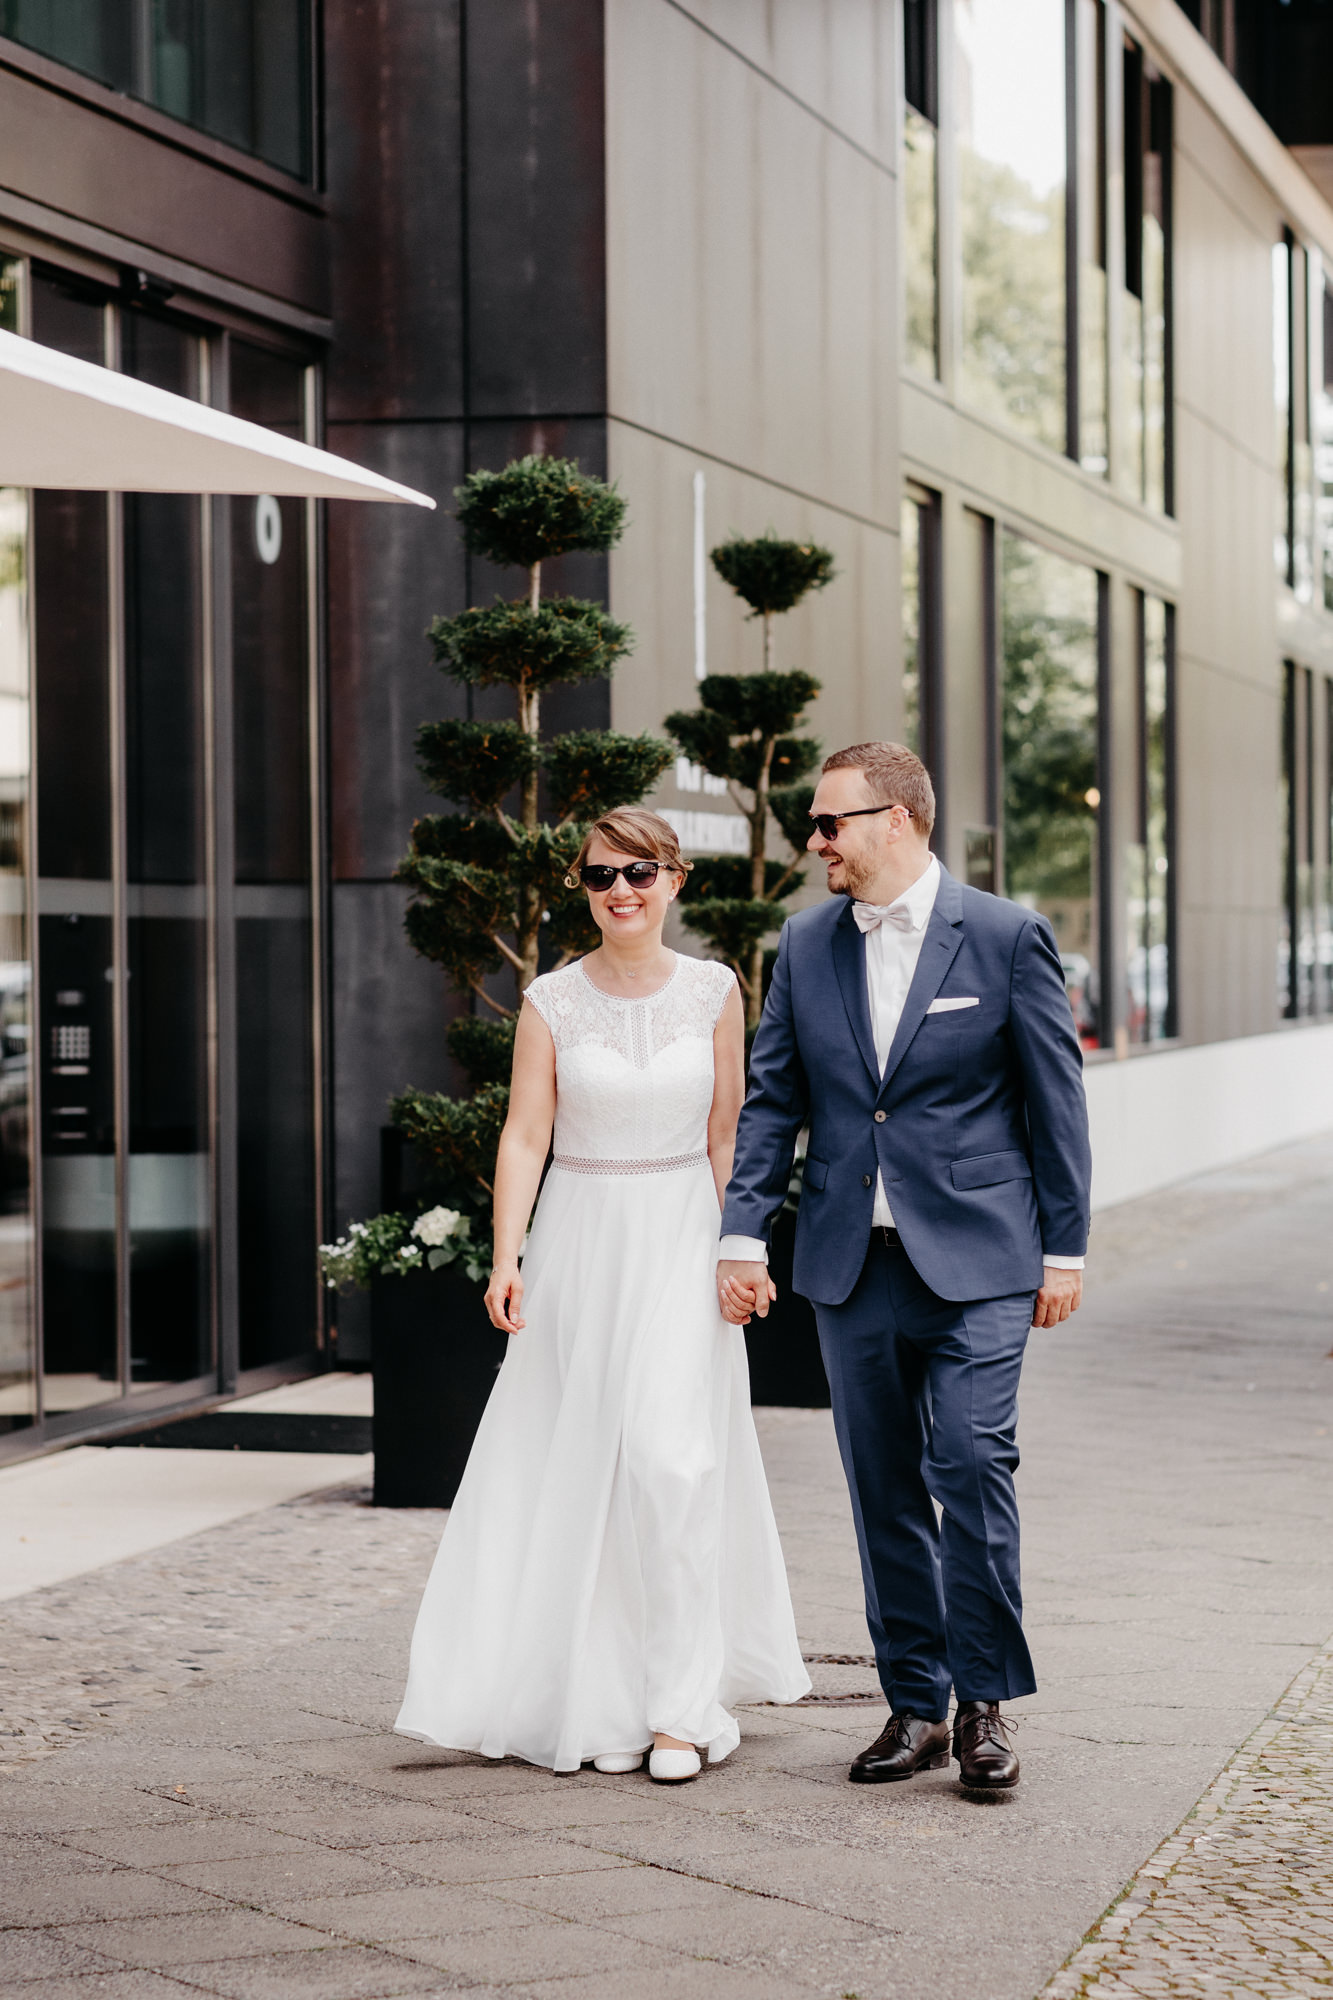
(1150, 1010)
(1325, 943)
(1051, 795)
(1010, 89)
(240, 71)
(1321, 426)
(911, 724)
(1092, 370)
(11, 282)
(1146, 302)
(920, 612)
(276, 1197)
(1283, 539)
(170, 1182)
(76, 1011)
(1297, 933)
(95, 36)
(17, 1353)
(920, 187)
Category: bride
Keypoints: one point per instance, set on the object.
(610, 1579)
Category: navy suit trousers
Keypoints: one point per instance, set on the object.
(925, 1405)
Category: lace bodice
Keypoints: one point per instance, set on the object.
(633, 1078)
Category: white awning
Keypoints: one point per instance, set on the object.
(70, 424)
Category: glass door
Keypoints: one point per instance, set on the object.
(168, 1015)
(277, 1209)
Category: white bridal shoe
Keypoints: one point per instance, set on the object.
(619, 1761)
(669, 1767)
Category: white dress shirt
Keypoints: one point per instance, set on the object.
(893, 948)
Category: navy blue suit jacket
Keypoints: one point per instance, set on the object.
(984, 1140)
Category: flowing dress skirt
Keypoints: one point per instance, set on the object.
(611, 1566)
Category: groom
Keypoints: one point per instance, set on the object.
(921, 1031)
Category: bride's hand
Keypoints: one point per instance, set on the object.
(504, 1297)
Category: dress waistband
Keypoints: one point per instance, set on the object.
(669, 1165)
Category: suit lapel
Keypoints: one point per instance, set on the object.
(939, 948)
(849, 962)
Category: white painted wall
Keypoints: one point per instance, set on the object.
(1159, 1118)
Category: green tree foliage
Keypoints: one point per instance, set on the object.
(1049, 725)
(487, 878)
(745, 731)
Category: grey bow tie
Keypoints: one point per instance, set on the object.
(869, 916)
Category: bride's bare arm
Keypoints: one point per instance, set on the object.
(728, 1089)
(524, 1144)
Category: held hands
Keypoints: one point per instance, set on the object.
(743, 1289)
(504, 1296)
(1061, 1294)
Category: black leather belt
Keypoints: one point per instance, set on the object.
(888, 1237)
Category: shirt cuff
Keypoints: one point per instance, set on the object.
(742, 1250)
(1062, 1263)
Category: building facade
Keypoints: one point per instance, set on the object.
(1020, 306)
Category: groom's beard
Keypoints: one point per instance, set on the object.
(854, 877)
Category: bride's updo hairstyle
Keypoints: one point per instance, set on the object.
(633, 830)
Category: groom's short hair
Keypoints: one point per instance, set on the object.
(896, 777)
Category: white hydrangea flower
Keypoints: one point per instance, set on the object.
(437, 1225)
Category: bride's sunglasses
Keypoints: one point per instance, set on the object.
(599, 875)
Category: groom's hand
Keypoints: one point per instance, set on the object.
(743, 1289)
(1061, 1294)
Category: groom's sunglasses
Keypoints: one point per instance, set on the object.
(599, 875)
(828, 823)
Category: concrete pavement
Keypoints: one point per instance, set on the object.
(258, 1831)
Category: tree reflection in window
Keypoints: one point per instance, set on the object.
(1049, 753)
(1010, 86)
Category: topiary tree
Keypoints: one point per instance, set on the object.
(742, 732)
(487, 878)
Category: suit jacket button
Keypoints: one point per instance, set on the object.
(880, 1116)
(865, 1180)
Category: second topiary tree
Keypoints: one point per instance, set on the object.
(742, 732)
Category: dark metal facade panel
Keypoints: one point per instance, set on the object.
(394, 152)
(69, 157)
(536, 206)
(390, 571)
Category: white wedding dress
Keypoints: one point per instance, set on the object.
(611, 1566)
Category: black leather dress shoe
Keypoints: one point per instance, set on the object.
(986, 1758)
(909, 1744)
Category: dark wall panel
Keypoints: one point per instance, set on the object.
(391, 570)
(72, 158)
(536, 207)
(394, 166)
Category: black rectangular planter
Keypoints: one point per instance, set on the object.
(435, 1356)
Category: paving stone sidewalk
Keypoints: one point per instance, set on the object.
(241, 1822)
(1239, 1900)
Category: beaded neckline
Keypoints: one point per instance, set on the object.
(631, 999)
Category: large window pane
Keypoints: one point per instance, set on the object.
(70, 549)
(274, 944)
(17, 1352)
(920, 187)
(1321, 426)
(165, 806)
(912, 538)
(1011, 163)
(1049, 749)
(95, 36)
(240, 69)
(1092, 368)
(1150, 1011)
(1145, 306)
(1283, 413)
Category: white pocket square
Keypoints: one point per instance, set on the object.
(949, 1006)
